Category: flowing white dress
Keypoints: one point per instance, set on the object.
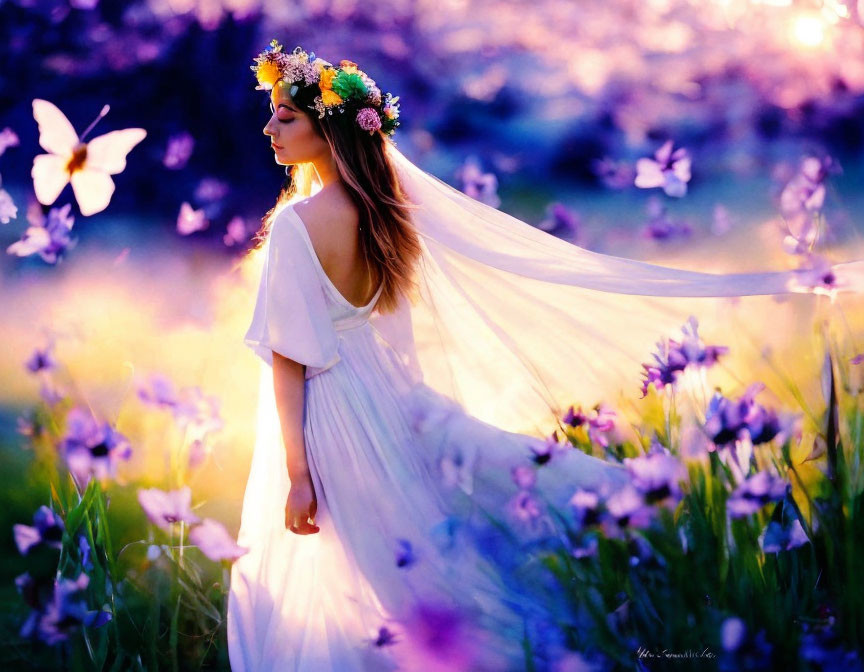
(377, 440)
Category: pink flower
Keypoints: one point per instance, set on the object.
(368, 120)
(213, 540)
(164, 508)
(668, 169)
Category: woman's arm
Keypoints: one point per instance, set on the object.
(289, 390)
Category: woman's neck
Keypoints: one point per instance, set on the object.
(328, 172)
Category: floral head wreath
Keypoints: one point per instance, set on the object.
(345, 89)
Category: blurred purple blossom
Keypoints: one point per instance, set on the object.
(457, 469)
(614, 174)
(816, 275)
(190, 220)
(727, 420)
(776, 537)
(656, 475)
(54, 618)
(47, 236)
(385, 637)
(660, 225)
(626, 507)
(178, 151)
(732, 633)
(525, 507)
(86, 552)
(721, 223)
(441, 639)
(8, 138)
(545, 450)
(197, 412)
(213, 540)
(164, 508)
(599, 423)
(210, 190)
(477, 184)
(47, 529)
(92, 449)
(586, 507)
(157, 390)
(755, 492)
(42, 359)
(668, 169)
(561, 222)
(235, 232)
(8, 209)
(672, 357)
(806, 190)
(524, 476)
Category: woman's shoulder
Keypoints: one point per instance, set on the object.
(329, 221)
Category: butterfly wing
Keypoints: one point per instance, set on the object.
(56, 134)
(108, 152)
(93, 190)
(49, 177)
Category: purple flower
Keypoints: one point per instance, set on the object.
(405, 556)
(190, 220)
(210, 190)
(178, 151)
(368, 120)
(805, 192)
(457, 469)
(86, 552)
(8, 139)
(586, 507)
(776, 537)
(614, 175)
(656, 475)
(158, 391)
(525, 507)
(524, 476)
(47, 530)
(385, 637)
(544, 451)
(213, 540)
(560, 222)
(814, 275)
(47, 236)
(754, 493)
(441, 638)
(164, 508)
(92, 449)
(673, 356)
(732, 633)
(235, 232)
(197, 412)
(54, 618)
(8, 209)
(668, 169)
(477, 184)
(626, 507)
(41, 360)
(574, 418)
(727, 421)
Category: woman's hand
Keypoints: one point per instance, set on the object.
(301, 507)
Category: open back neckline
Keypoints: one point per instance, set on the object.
(326, 278)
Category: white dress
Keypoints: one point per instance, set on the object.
(376, 440)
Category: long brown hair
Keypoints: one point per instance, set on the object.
(388, 238)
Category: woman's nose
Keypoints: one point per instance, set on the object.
(268, 130)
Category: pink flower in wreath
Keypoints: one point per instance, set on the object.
(368, 120)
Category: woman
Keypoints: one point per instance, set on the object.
(419, 344)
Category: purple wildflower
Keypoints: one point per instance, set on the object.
(457, 469)
(385, 637)
(668, 169)
(52, 620)
(524, 476)
(86, 552)
(235, 232)
(47, 530)
(727, 421)
(190, 220)
(197, 412)
(776, 537)
(8, 209)
(477, 184)
(213, 540)
(560, 222)
(164, 508)
(732, 633)
(585, 504)
(441, 639)
(544, 451)
(626, 507)
(41, 360)
(368, 120)
(754, 493)
(524, 506)
(814, 275)
(92, 449)
(47, 236)
(805, 192)
(656, 475)
(158, 391)
(8, 138)
(210, 190)
(405, 556)
(178, 151)
(613, 174)
(673, 356)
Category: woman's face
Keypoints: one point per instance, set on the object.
(292, 137)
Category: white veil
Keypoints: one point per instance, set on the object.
(515, 323)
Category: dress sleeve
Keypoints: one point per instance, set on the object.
(290, 315)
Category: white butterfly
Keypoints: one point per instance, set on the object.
(88, 166)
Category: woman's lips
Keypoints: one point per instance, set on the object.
(275, 146)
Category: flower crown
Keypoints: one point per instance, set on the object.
(344, 88)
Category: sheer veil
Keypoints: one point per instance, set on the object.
(513, 322)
